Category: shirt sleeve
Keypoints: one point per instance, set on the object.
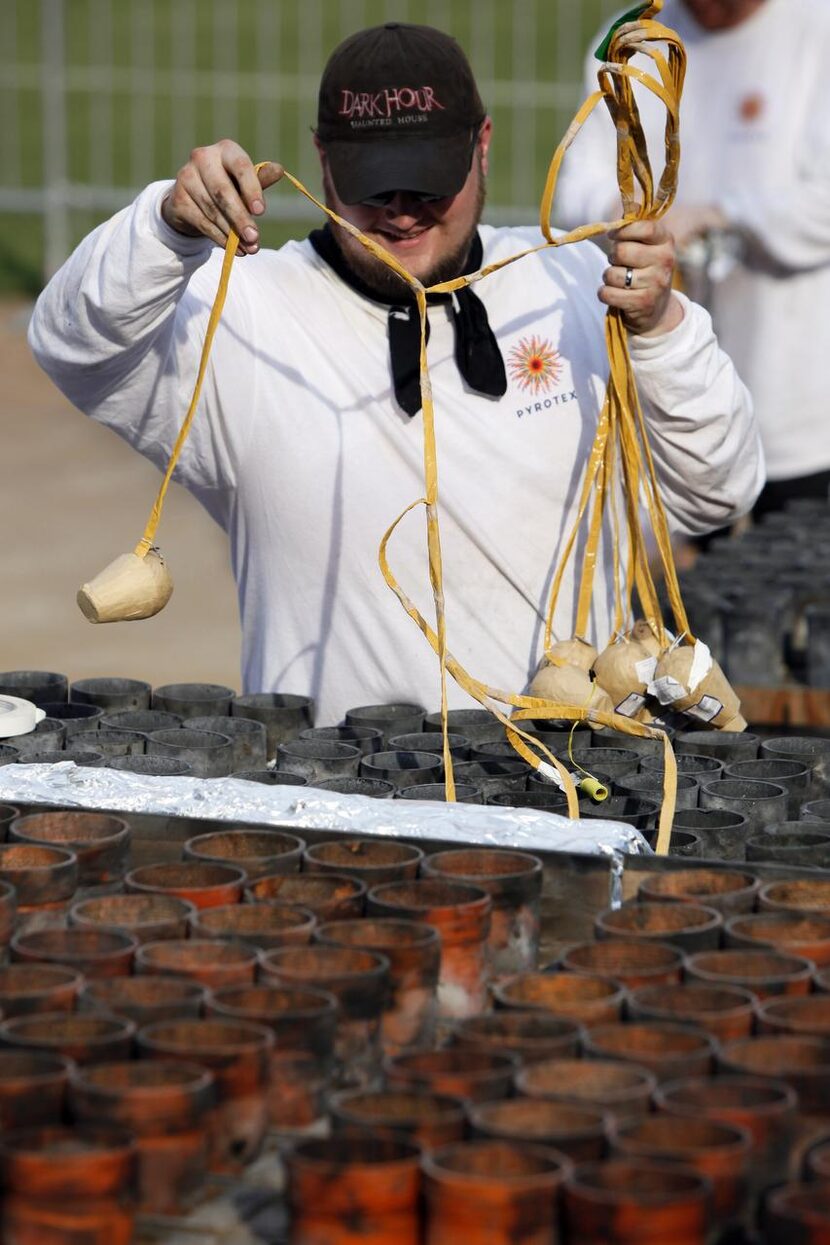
(119, 329)
(790, 222)
(702, 431)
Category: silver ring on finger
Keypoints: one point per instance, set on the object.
(629, 278)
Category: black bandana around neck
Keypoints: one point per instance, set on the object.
(477, 352)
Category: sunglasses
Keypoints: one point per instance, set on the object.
(383, 200)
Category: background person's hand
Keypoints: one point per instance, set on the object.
(689, 221)
(217, 191)
(639, 280)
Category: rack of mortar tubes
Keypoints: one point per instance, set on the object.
(537, 1076)
(759, 597)
(274, 1027)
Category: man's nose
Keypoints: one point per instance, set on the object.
(404, 207)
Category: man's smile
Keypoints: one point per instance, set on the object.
(403, 241)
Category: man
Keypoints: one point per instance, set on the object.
(754, 184)
(308, 440)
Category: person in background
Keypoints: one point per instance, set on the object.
(308, 439)
(752, 217)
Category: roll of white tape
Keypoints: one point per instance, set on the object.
(18, 716)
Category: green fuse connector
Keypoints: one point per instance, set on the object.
(631, 16)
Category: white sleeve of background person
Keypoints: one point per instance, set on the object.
(119, 329)
(787, 212)
(754, 141)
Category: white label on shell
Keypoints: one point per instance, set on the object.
(667, 690)
(630, 705)
(707, 708)
(645, 669)
(701, 664)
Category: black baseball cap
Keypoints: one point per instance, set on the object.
(399, 109)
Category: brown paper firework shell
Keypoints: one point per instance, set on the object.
(569, 685)
(573, 652)
(646, 636)
(127, 589)
(617, 674)
(712, 701)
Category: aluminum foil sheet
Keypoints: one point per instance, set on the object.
(234, 800)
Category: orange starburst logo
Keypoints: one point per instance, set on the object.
(751, 107)
(534, 364)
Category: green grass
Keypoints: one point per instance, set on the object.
(522, 48)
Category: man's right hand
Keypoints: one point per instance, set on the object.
(218, 191)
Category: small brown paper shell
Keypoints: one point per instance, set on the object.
(713, 702)
(646, 637)
(573, 652)
(567, 684)
(616, 673)
(128, 589)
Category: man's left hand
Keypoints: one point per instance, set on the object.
(639, 280)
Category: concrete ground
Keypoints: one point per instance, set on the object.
(72, 497)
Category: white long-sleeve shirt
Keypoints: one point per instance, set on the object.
(755, 141)
(299, 451)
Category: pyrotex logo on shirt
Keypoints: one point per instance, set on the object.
(387, 104)
(534, 364)
(536, 367)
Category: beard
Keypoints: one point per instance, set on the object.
(384, 281)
